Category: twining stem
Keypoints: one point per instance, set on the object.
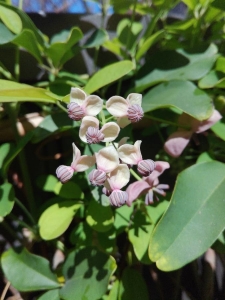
(20, 204)
(136, 176)
(5, 290)
(61, 106)
(11, 109)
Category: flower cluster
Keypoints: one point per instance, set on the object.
(114, 162)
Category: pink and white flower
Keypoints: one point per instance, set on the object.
(83, 105)
(148, 185)
(178, 140)
(79, 164)
(127, 110)
(90, 132)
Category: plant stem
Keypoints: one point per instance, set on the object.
(17, 64)
(136, 176)
(5, 290)
(61, 106)
(20, 204)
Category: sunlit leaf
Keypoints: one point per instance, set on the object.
(11, 19)
(6, 199)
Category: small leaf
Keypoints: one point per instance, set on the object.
(212, 79)
(183, 95)
(6, 35)
(69, 190)
(6, 199)
(47, 182)
(219, 130)
(87, 272)
(98, 37)
(99, 217)
(10, 19)
(53, 295)
(56, 219)
(108, 74)
(194, 219)
(35, 270)
(204, 157)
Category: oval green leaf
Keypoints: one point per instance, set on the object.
(53, 295)
(97, 38)
(11, 19)
(108, 74)
(183, 95)
(56, 219)
(6, 199)
(194, 219)
(34, 270)
(99, 217)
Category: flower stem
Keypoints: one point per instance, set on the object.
(136, 176)
(20, 204)
(61, 106)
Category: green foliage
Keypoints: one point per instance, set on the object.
(73, 243)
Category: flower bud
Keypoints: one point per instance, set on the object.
(135, 113)
(64, 173)
(97, 177)
(75, 111)
(146, 167)
(118, 198)
(94, 135)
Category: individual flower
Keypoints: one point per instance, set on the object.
(90, 132)
(82, 105)
(127, 110)
(131, 155)
(117, 179)
(107, 160)
(79, 164)
(148, 185)
(178, 140)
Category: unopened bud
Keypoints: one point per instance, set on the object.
(64, 173)
(146, 167)
(118, 198)
(75, 111)
(97, 177)
(135, 113)
(94, 135)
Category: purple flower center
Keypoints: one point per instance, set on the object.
(118, 198)
(75, 111)
(97, 177)
(64, 173)
(146, 167)
(94, 135)
(135, 113)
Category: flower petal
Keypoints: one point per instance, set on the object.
(117, 106)
(135, 189)
(119, 177)
(130, 154)
(87, 121)
(77, 95)
(134, 98)
(206, 124)
(92, 105)
(76, 156)
(176, 142)
(160, 167)
(107, 159)
(110, 131)
(84, 163)
(123, 122)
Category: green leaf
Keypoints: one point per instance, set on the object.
(81, 235)
(56, 219)
(220, 64)
(10, 19)
(47, 182)
(53, 295)
(122, 218)
(69, 190)
(108, 74)
(194, 219)
(4, 152)
(11, 91)
(6, 36)
(219, 130)
(97, 38)
(35, 270)
(132, 286)
(183, 95)
(87, 273)
(190, 3)
(99, 217)
(139, 235)
(175, 65)
(28, 41)
(6, 199)
(204, 157)
(156, 210)
(148, 43)
(58, 50)
(56, 122)
(212, 79)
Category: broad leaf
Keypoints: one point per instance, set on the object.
(47, 182)
(212, 79)
(53, 295)
(183, 95)
(11, 19)
(108, 75)
(87, 273)
(34, 270)
(69, 190)
(6, 199)
(98, 37)
(56, 219)
(6, 35)
(99, 217)
(194, 219)
(219, 129)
